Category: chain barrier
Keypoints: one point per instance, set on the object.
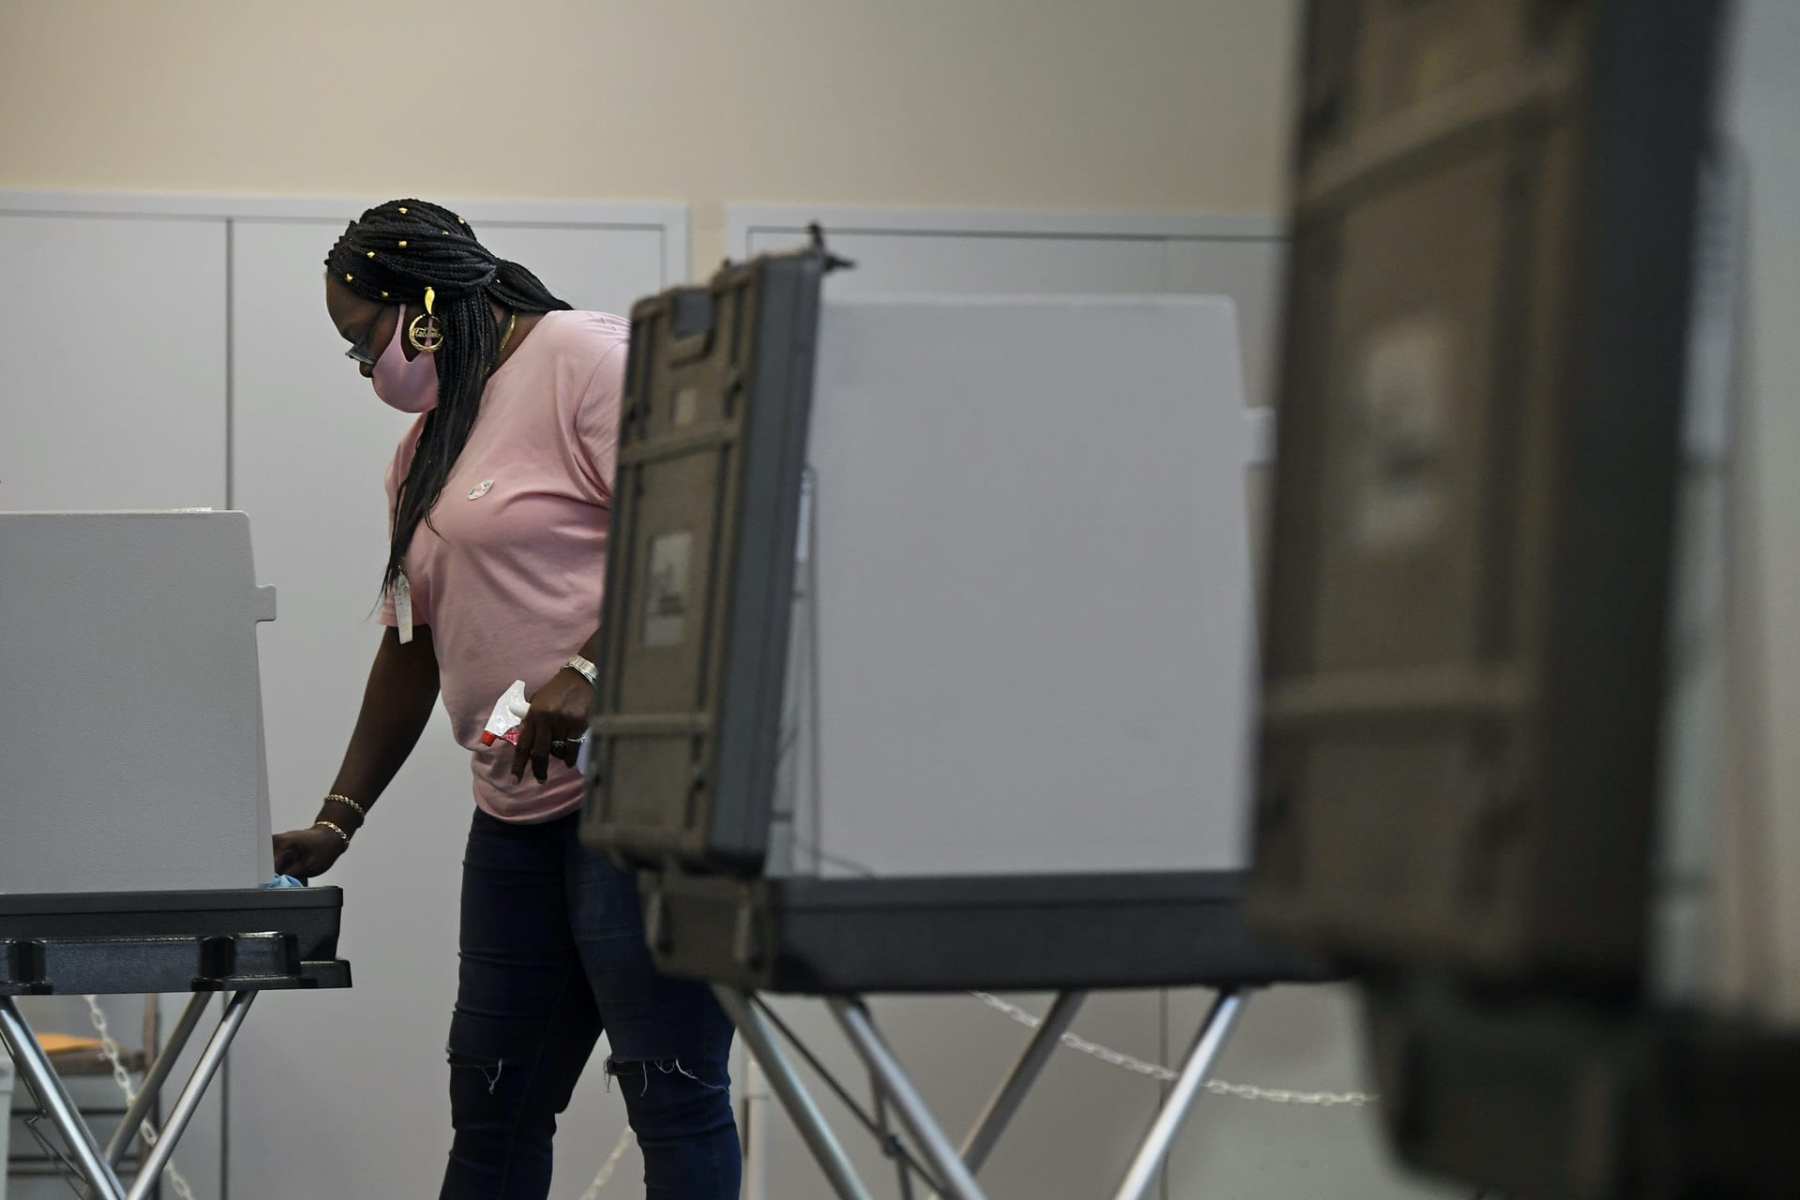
(109, 1049)
(609, 1166)
(1218, 1087)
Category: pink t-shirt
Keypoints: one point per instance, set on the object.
(510, 579)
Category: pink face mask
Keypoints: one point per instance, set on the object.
(411, 387)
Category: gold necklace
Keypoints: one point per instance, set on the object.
(506, 337)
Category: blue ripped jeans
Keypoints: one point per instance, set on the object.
(553, 954)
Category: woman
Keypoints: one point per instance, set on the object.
(499, 498)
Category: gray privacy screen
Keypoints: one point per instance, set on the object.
(1022, 639)
(131, 703)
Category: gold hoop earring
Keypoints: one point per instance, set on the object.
(425, 334)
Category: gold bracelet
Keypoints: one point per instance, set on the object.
(350, 804)
(335, 829)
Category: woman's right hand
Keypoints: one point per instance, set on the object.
(307, 853)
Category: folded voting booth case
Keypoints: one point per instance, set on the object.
(137, 833)
(1498, 722)
(933, 675)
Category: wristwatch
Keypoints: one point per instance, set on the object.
(583, 668)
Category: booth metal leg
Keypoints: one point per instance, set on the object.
(992, 1123)
(1214, 1031)
(902, 1168)
(48, 1086)
(954, 1174)
(807, 1118)
(154, 1077)
(956, 1171)
(96, 1165)
(157, 1156)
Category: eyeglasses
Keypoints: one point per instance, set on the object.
(360, 353)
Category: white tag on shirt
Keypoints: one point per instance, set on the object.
(403, 608)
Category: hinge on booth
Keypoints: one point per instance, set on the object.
(229, 960)
(816, 231)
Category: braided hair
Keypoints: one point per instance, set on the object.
(390, 255)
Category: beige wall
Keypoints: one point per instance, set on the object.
(1157, 104)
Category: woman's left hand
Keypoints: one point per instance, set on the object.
(555, 724)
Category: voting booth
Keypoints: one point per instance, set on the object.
(927, 662)
(136, 837)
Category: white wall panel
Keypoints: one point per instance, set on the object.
(591, 267)
(998, 251)
(112, 361)
(903, 261)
